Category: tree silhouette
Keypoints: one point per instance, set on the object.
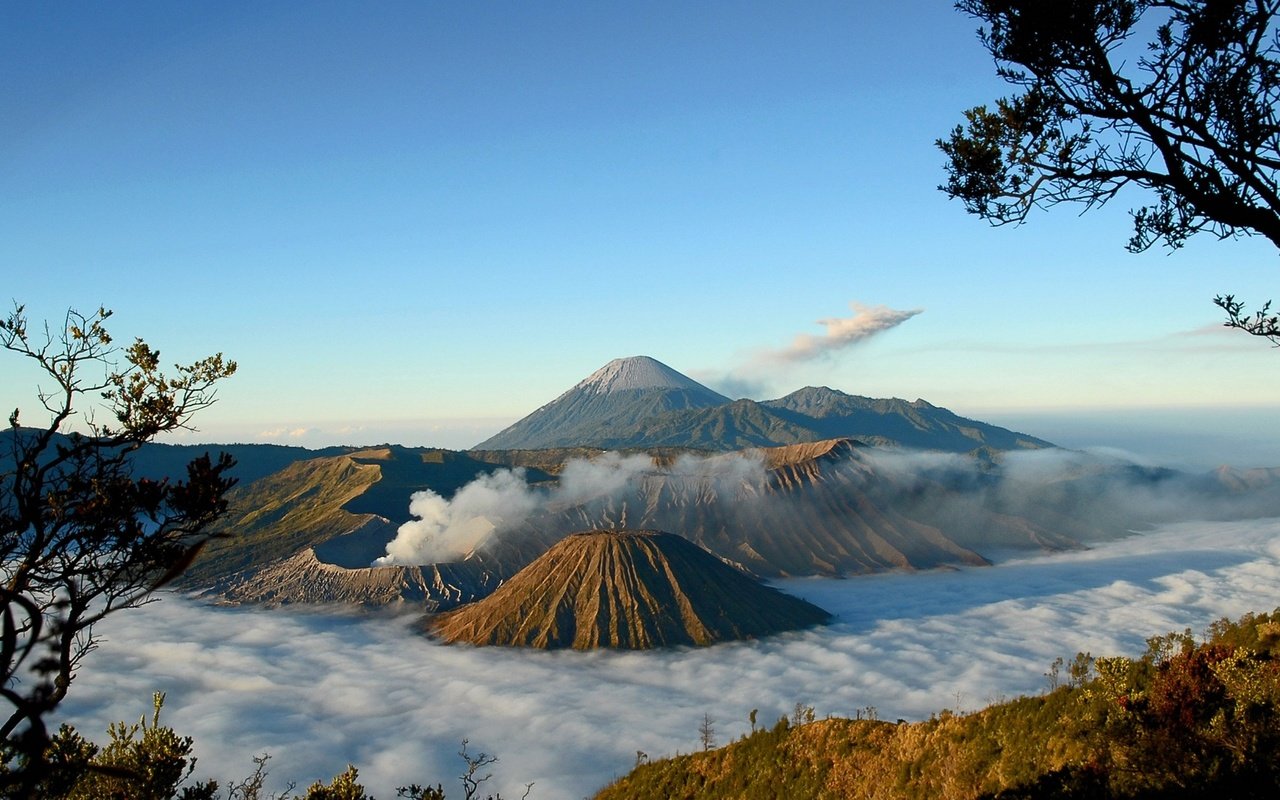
(80, 536)
(707, 732)
(1175, 97)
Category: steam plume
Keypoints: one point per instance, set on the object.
(448, 530)
(841, 332)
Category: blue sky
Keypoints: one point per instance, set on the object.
(417, 222)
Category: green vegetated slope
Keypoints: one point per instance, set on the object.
(274, 517)
(315, 501)
(1184, 720)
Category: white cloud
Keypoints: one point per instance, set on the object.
(321, 689)
(765, 370)
(841, 332)
(284, 433)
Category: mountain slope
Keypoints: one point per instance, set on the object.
(809, 509)
(829, 413)
(818, 508)
(626, 590)
(347, 507)
(619, 393)
(641, 403)
(1178, 722)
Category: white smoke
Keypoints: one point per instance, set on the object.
(841, 332)
(765, 370)
(583, 479)
(447, 530)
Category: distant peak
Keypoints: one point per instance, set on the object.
(637, 372)
(811, 398)
(817, 391)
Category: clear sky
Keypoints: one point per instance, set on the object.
(419, 221)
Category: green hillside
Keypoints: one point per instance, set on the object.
(314, 501)
(1185, 720)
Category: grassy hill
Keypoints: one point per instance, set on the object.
(317, 500)
(1185, 720)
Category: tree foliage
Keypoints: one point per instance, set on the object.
(142, 761)
(81, 536)
(1176, 97)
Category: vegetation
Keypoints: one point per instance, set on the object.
(300, 506)
(81, 536)
(1184, 720)
(150, 761)
(146, 760)
(1180, 98)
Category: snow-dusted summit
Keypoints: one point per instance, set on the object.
(641, 372)
(615, 398)
(641, 402)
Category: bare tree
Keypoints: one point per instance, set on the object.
(475, 763)
(1180, 98)
(707, 732)
(81, 536)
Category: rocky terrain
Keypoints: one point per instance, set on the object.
(311, 533)
(626, 590)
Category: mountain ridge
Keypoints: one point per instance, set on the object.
(640, 402)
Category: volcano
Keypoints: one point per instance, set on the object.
(617, 396)
(629, 590)
(639, 402)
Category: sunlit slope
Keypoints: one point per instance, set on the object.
(813, 509)
(1185, 720)
(625, 590)
(347, 506)
(276, 516)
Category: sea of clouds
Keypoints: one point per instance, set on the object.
(319, 690)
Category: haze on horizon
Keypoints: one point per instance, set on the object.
(418, 222)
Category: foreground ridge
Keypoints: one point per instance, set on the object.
(1185, 720)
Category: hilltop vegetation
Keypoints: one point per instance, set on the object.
(1184, 720)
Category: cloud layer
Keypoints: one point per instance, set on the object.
(319, 690)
